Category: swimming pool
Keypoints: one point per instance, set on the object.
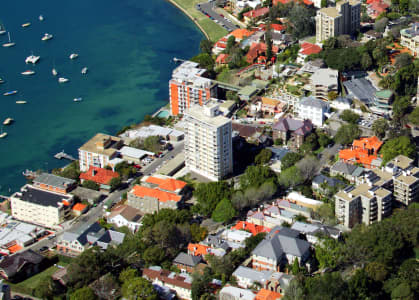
(163, 114)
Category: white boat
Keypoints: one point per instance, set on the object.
(28, 72)
(84, 70)
(2, 30)
(73, 55)
(46, 37)
(1, 80)
(54, 72)
(63, 79)
(33, 59)
(8, 121)
(41, 18)
(26, 24)
(2, 134)
(10, 93)
(21, 102)
(10, 43)
(78, 99)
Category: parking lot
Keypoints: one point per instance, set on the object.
(367, 121)
(207, 9)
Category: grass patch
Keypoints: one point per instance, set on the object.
(224, 76)
(214, 31)
(293, 90)
(29, 285)
(318, 151)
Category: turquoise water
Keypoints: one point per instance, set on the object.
(128, 46)
(163, 114)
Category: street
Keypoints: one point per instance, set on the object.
(207, 9)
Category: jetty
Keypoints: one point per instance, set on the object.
(63, 155)
(29, 174)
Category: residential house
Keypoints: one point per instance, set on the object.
(295, 131)
(324, 81)
(341, 103)
(98, 151)
(299, 199)
(250, 227)
(306, 2)
(41, 207)
(360, 88)
(79, 209)
(186, 262)
(74, 243)
(149, 200)
(180, 283)
(101, 176)
(257, 53)
(281, 247)
(312, 109)
(376, 8)
(202, 250)
(222, 60)
(22, 265)
(409, 37)
(322, 182)
(313, 231)
(307, 49)
(247, 277)
(255, 14)
(347, 171)
(264, 294)
(277, 156)
(220, 45)
(54, 183)
(271, 106)
(235, 238)
(278, 282)
(125, 215)
(240, 34)
(235, 293)
(294, 208)
(363, 151)
(270, 216)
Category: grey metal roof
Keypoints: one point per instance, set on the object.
(270, 248)
(361, 89)
(332, 182)
(344, 168)
(278, 153)
(313, 102)
(253, 275)
(344, 100)
(187, 259)
(53, 180)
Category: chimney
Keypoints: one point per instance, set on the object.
(244, 225)
(94, 172)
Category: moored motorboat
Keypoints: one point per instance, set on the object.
(21, 102)
(1, 80)
(84, 70)
(3, 134)
(33, 59)
(26, 24)
(41, 17)
(54, 72)
(9, 93)
(28, 72)
(73, 55)
(2, 30)
(63, 79)
(8, 121)
(78, 99)
(10, 43)
(46, 37)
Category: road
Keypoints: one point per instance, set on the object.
(207, 8)
(96, 212)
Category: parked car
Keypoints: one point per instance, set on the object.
(43, 249)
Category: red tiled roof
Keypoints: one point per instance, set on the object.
(372, 143)
(308, 48)
(198, 249)
(222, 58)
(142, 191)
(252, 228)
(264, 294)
(241, 33)
(168, 278)
(257, 49)
(378, 7)
(79, 207)
(168, 184)
(277, 27)
(306, 2)
(257, 12)
(101, 176)
(363, 151)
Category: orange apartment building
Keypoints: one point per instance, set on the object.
(54, 183)
(363, 151)
(188, 86)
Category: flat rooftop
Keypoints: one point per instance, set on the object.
(197, 113)
(41, 197)
(102, 144)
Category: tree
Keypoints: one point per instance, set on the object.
(209, 194)
(268, 40)
(255, 176)
(201, 284)
(279, 142)
(224, 211)
(403, 60)
(206, 46)
(310, 144)
(308, 167)
(414, 116)
(349, 116)
(347, 133)
(380, 127)
(115, 183)
(302, 21)
(324, 3)
(89, 184)
(324, 139)
(204, 60)
(328, 253)
(127, 274)
(400, 145)
(366, 61)
(231, 41)
(402, 292)
(290, 159)
(138, 288)
(263, 157)
(400, 106)
(84, 293)
(44, 290)
(296, 267)
(332, 95)
(198, 233)
(291, 177)
(152, 144)
(381, 24)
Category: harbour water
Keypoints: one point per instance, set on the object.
(128, 46)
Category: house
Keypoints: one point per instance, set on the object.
(180, 283)
(202, 250)
(74, 243)
(165, 183)
(288, 129)
(264, 294)
(186, 262)
(220, 46)
(360, 88)
(41, 207)
(321, 182)
(235, 293)
(376, 8)
(281, 247)
(101, 176)
(250, 227)
(21, 265)
(240, 34)
(134, 155)
(98, 151)
(255, 14)
(371, 35)
(347, 171)
(79, 209)
(294, 208)
(307, 49)
(54, 183)
(222, 60)
(363, 151)
(259, 50)
(278, 282)
(165, 133)
(271, 106)
(247, 277)
(299, 199)
(341, 103)
(306, 2)
(125, 215)
(324, 81)
(409, 37)
(235, 238)
(277, 156)
(313, 231)
(312, 109)
(270, 216)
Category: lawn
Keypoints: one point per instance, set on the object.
(293, 90)
(214, 31)
(29, 285)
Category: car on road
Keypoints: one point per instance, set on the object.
(43, 249)
(17, 297)
(52, 236)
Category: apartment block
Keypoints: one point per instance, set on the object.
(208, 143)
(99, 151)
(409, 37)
(188, 86)
(41, 207)
(54, 183)
(313, 109)
(334, 21)
(324, 81)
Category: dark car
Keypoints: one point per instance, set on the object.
(43, 249)
(17, 297)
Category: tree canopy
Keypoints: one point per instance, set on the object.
(224, 211)
(347, 133)
(349, 116)
(400, 145)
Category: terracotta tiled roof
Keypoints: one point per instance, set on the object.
(257, 49)
(363, 151)
(79, 207)
(257, 12)
(308, 48)
(277, 27)
(270, 101)
(162, 196)
(222, 58)
(168, 277)
(198, 249)
(168, 184)
(99, 175)
(252, 228)
(306, 2)
(267, 295)
(372, 143)
(241, 33)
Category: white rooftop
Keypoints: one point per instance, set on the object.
(134, 152)
(238, 293)
(325, 77)
(300, 198)
(152, 130)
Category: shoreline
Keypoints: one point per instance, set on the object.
(173, 2)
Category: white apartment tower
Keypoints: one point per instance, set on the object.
(208, 142)
(345, 18)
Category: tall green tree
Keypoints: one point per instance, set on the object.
(401, 145)
(347, 133)
(84, 293)
(208, 195)
(206, 46)
(263, 157)
(224, 211)
(380, 127)
(138, 288)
